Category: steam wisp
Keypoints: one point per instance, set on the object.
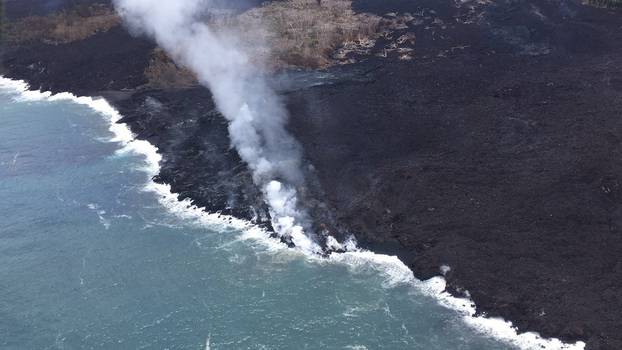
(255, 113)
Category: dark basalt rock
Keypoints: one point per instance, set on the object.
(496, 150)
(198, 162)
(113, 60)
(499, 159)
(20, 8)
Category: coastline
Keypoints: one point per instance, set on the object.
(396, 272)
(493, 152)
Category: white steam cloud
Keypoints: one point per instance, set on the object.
(255, 113)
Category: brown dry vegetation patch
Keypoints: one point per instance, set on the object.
(307, 32)
(163, 72)
(76, 24)
(303, 33)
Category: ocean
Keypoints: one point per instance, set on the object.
(94, 255)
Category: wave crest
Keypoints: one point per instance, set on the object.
(393, 270)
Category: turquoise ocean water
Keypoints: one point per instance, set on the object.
(91, 259)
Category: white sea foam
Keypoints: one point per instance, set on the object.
(207, 342)
(256, 114)
(394, 271)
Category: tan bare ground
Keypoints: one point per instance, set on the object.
(63, 27)
(308, 32)
(301, 33)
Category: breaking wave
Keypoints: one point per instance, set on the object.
(393, 271)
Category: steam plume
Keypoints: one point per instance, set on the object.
(255, 113)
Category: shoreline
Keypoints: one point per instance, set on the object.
(492, 151)
(396, 271)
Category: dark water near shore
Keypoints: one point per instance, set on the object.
(91, 260)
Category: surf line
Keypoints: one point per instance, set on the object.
(393, 270)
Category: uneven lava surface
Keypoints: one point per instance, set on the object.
(489, 140)
(495, 151)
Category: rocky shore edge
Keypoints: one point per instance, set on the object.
(538, 104)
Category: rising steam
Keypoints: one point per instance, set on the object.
(255, 113)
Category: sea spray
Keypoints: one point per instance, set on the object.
(255, 113)
(394, 272)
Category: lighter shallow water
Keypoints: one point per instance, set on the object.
(91, 260)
